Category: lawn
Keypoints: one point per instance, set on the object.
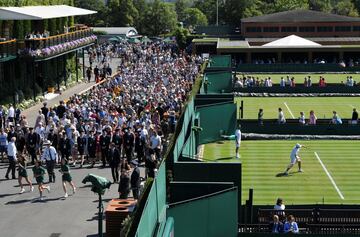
(292, 106)
(264, 161)
(299, 78)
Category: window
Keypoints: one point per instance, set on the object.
(342, 28)
(289, 29)
(306, 29)
(324, 28)
(253, 29)
(271, 29)
(356, 28)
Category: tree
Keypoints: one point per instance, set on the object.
(180, 7)
(163, 18)
(286, 5)
(181, 35)
(194, 17)
(95, 5)
(127, 13)
(140, 22)
(208, 7)
(345, 7)
(321, 5)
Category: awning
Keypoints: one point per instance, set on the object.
(292, 41)
(41, 12)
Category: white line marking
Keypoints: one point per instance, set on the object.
(328, 174)
(352, 106)
(289, 110)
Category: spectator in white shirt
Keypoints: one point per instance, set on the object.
(11, 114)
(155, 145)
(50, 157)
(302, 118)
(11, 153)
(281, 117)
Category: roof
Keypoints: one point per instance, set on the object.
(232, 44)
(41, 12)
(128, 31)
(300, 15)
(315, 39)
(292, 41)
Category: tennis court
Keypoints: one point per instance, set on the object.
(292, 106)
(330, 170)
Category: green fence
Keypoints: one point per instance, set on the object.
(216, 120)
(219, 62)
(329, 67)
(218, 82)
(153, 219)
(208, 216)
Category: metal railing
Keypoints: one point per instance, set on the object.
(41, 43)
(7, 48)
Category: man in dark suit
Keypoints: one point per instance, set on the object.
(114, 160)
(135, 180)
(124, 184)
(31, 143)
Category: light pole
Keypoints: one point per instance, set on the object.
(217, 12)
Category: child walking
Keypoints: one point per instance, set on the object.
(39, 173)
(66, 177)
(23, 174)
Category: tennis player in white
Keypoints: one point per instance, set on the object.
(294, 158)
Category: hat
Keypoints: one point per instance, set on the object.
(134, 162)
(298, 145)
(46, 142)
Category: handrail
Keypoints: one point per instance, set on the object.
(8, 41)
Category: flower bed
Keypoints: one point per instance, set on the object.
(59, 48)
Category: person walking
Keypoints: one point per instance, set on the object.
(237, 140)
(23, 174)
(135, 180)
(31, 144)
(51, 158)
(66, 177)
(11, 153)
(114, 161)
(39, 173)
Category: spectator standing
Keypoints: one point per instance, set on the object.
(11, 114)
(312, 118)
(279, 206)
(3, 143)
(135, 180)
(282, 82)
(260, 117)
(11, 154)
(281, 117)
(45, 111)
(302, 118)
(336, 118)
(32, 142)
(237, 140)
(124, 184)
(354, 117)
(114, 161)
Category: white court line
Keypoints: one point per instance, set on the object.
(328, 174)
(289, 110)
(352, 106)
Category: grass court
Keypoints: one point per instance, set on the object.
(264, 161)
(292, 106)
(299, 78)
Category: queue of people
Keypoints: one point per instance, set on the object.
(121, 123)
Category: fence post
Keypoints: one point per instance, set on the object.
(251, 197)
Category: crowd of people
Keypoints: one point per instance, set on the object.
(288, 81)
(312, 120)
(282, 223)
(121, 123)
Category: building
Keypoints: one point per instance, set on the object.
(43, 57)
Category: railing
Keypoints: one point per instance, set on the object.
(7, 49)
(53, 45)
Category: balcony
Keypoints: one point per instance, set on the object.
(7, 50)
(41, 48)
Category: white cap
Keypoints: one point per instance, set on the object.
(297, 145)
